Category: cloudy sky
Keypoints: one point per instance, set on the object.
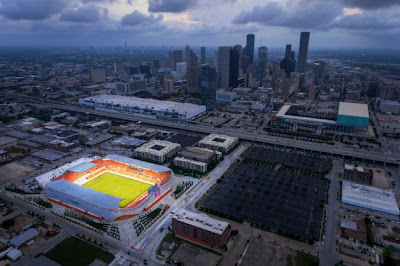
(333, 23)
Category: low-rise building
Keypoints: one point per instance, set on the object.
(157, 150)
(357, 174)
(389, 107)
(196, 159)
(225, 96)
(221, 143)
(200, 228)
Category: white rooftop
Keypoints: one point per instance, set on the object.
(47, 177)
(201, 220)
(373, 198)
(219, 140)
(353, 167)
(142, 103)
(353, 109)
(282, 113)
(164, 145)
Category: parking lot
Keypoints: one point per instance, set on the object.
(288, 203)
(296, 160)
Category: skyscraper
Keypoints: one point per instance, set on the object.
(249, 50)
(223, 59)
(262, 62)
(193, 78)
(208, 81)
(175, 56)
(234, 64)
(303, 51)
(203, 55)
(289, 63)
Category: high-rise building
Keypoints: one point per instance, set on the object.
(208, 81)
(143, 69)
(224, 53)
(288, 63)
(249, 50)
(203, 55)
(118, 68)
(193, 78)
(175, 56)
(234, 65)
(181, 70)
(319, 71)
(303, 51)
(262, 62)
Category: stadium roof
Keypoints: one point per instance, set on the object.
(80, 168)
(285, 108)
(369, 197)
(141, 164)
(85, 194)
(353, 109)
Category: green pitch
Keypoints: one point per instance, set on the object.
(118, 186)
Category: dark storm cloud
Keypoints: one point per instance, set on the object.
(370, 4)
(84, 14)
(302, 14)
(172, 6)
(137, 18)
(31, 9)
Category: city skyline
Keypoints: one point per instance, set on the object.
(335, 24)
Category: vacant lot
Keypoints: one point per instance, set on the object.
(14, 171)
(73, 251)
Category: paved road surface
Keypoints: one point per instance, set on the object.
(328, 254)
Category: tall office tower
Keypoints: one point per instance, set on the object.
(234, 65)
(188, 55)
(319, 71)
(288, 63)
(208, 81)
(250, 47)
(244, 62)
(181, 70)
(175, 56)
(193, 78)
(118, 68)
(224, 53)
(203, 55)
(262, 62)
(303, 52)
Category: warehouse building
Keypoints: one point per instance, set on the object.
(372, 198)
(141, 107)
(157, 150)
(221, 143)
(200, 228)
(392, 107)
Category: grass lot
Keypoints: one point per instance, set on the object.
(118, 186)
(73, 251)
(302, 259)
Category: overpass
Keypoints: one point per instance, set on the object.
(370, 157)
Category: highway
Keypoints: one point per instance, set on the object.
(328, 254)
(326, 149)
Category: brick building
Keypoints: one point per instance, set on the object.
(358, 174)
(200, 228)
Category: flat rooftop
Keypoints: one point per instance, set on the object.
(369, 197)
(158, 147)
(353, 109)
(201, 220)
(143, 103)
(195, 152)
(218, 140)
(282, 114)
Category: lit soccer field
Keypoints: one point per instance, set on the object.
(118, 186)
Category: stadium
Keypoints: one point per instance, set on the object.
(108, 188)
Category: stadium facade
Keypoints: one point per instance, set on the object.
(66, 186)
(141, 107)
